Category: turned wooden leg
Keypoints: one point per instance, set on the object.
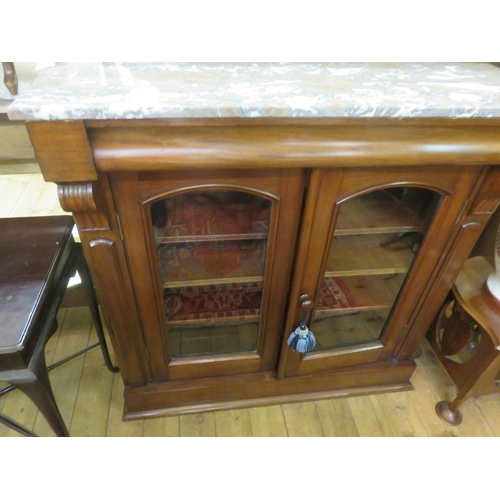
(458, 333)
(480, 379)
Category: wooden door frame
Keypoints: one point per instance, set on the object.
(327, 190)
(133, 193)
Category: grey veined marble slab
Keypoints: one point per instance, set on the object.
(75, 91)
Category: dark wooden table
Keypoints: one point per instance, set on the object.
(33, 252)
(38, 256)
(35, 258)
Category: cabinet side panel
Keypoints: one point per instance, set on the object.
(121, 321)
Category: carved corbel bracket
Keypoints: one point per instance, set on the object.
(86, 201)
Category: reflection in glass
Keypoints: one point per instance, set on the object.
(377, 237)
(211, 248)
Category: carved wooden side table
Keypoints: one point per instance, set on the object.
(466, 338)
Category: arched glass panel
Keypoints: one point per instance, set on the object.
(376, 239)
(211, 248)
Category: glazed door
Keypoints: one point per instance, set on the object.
(369, 243)
(210, 256)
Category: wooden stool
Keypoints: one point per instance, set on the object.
(466, 338)
(38, 256)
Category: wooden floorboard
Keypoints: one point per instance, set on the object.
(199, 425)
(424, 399)
(162, 427)
(368, 417)
(401, 415)
(11, 193)
(336, 418)
(489, 408)
(302, 420)
(268, 421)
(116, 426)
(29, 199)
(91, 398)
(20, 408)
(94, 395)
(233, 423)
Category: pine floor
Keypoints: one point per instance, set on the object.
(91, 398)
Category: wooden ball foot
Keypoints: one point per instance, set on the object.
(417, 353)
(447, 415)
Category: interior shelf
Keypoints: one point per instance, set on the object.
(211, 263)
(377, 212)
(368, 255)
(209, 238)
(358, 293)
(212, 282)
(237, 302)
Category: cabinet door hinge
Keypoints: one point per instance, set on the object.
(120, 228)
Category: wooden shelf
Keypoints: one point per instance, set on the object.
(209, 238)
(209, 263)
(363, 255)
(212, 282)
(376, 212)
(363, 293)
(339, 296)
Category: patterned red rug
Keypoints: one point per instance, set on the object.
(218, 303)
(211, 213)
(211, 260)
(205, 304)
(334, 295)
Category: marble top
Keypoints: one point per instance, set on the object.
(76, 91)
